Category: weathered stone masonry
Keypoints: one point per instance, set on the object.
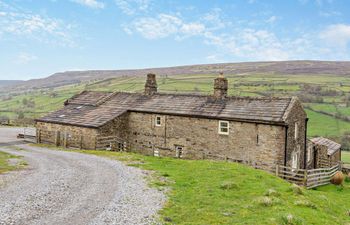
(261, 131)
(252, 143)
(79, 137)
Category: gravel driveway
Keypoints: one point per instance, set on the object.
(72, 188)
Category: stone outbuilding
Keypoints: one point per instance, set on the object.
(322, 153)
(261, 132)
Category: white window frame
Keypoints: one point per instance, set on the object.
(309, 154)
(296, 130)
(179, 151)
(158, 119)
(228, 127)
(295, 160)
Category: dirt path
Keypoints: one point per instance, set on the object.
(71, 188)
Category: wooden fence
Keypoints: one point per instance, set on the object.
(112, 143)
(28, 138)
(308, 178)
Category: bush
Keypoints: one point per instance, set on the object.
(265, 201)
(272, 192)
(291, 220)
(228, 185)
(305, 203)
(347, 178)
(296, 189)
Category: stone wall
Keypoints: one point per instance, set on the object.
(254, 144)
(296, 116)
(260, 145)
(71, 136)
(117, 127)
(322, 158)
(335, 158)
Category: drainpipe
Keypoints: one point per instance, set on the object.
(305, 139)
(285, 145)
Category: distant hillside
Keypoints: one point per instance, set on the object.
(285, 67)
(4, 83)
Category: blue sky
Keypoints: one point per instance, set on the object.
(39, 38)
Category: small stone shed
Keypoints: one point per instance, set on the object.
(259, 131)
(322, 153)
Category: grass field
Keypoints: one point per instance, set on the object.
(208, 192)
(4, 162)
(345, 157)
(48, 100)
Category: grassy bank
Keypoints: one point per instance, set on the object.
(5, 164)
(207, 192)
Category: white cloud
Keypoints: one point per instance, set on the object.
(214, 20)
(163, 26)
(329, 13)
(29, 25)
(241, 40)
(35, 26)
(25, 58)
(131, 7)
(272, 19)
(91, 3)
(192, 28)
(337, 35)
(250, 44)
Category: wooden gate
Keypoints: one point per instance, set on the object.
(112, 143)
(308, 178)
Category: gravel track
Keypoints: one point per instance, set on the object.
(72, 188)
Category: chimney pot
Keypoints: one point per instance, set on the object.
(151, 84)
(220, 87)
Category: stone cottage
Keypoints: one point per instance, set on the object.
(322, 153)
(261, 132)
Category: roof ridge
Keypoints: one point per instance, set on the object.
(234, 97)
(106, 98)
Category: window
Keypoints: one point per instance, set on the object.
(224, 127)
(295, 160)
(156, 153)
(309, 153)
(296, 131)
(158, 121)
(178, 150)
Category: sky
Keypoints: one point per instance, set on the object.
(42, 37)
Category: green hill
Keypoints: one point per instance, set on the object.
(326, 97)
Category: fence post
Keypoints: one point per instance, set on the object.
(81, 142)
(305, 178)
(38, 136)
(277, 170)
(65, 143)
(57, 138)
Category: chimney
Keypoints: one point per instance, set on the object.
(220, 87)
(151, 84)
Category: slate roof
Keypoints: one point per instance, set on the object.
(94, 109)
(331, 145)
